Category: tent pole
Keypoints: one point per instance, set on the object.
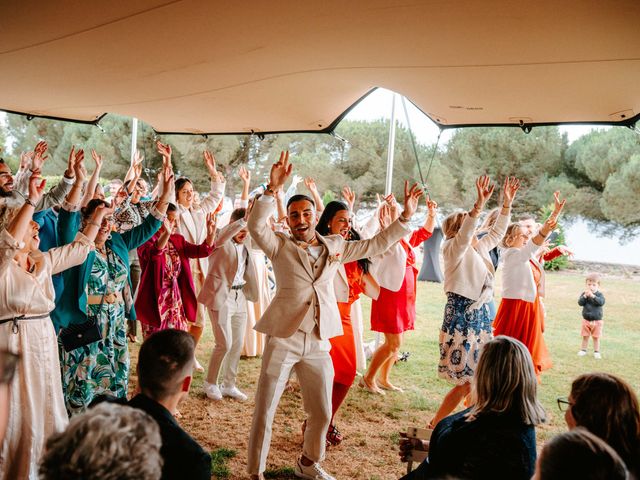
(134, 137)
(390, 149)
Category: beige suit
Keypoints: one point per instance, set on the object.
(192, 225)
(301, 318)
(228, 307)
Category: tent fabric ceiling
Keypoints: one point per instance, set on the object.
(197, 66)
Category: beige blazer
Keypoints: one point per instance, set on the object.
(465, 267)
(192, 223)
(223, 265)
(341, 285)
(304, 290)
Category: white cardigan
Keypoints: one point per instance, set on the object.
(465, 267)
(517, 276)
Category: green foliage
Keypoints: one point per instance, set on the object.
(219, 460)
(280, 473)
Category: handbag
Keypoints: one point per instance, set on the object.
(81, 334)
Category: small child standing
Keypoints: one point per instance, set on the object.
(591, 302)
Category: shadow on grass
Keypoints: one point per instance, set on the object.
(283, 472)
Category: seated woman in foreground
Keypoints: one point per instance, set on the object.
(495, 438)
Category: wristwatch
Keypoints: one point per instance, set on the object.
(28, 201)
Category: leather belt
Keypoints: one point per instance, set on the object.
(109, 298)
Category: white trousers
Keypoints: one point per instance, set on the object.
(309, 357)
(229, 324)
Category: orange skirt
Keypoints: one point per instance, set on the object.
(524, 321)
(343, 349)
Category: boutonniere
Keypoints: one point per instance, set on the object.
(334, 258)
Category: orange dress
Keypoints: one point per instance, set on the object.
(524, 321)
(343, 348)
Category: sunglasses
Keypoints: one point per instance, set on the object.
(8, 364)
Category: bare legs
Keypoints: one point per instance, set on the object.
(382, 361)
(450, 402)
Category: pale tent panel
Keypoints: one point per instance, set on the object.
(198, 66)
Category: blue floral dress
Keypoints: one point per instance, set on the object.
(464, 331)
(101, 367)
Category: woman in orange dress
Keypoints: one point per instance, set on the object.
(352, 280)
(521, 314)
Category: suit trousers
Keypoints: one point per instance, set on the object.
(229, 325)
(309, 356)
(198, 280)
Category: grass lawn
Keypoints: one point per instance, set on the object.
(371, 423)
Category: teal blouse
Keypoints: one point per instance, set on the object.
(71, 307)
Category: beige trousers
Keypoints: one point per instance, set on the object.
(309, 357)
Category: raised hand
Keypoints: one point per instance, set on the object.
(39, 156)
(280, 171)
(484, 188)
(432, 207)
(36, 187)
(245, 175)
(392, 203)
(167, 181)
(168, 225)
(25, 160)
(411, 198)
(349, 197)
(78, 166)
(511, 186)
(96, 158)
(165, 151)
(211, 228)
(564, 250)
(558, 205)
(384, 215)
(101, 212)
(310, 183)
(210, 163)
(138, 160)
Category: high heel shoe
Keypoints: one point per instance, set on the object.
(369, 388)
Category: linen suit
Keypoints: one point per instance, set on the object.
(301, 318)
(228, 307)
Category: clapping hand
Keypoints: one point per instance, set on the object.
(78, 166)
(36, 187)
(392, 203)
(411, 197)
(39, 157)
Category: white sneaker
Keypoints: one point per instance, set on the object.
(597, 355)
(196, 365)
(582, 353)
(212, 391)
(312, 472)
(234, 393)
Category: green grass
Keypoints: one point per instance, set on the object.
(219, 459)
(280, 473)
(619, 346)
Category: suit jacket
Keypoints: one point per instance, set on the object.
(304, 290)
(153, 265)
(192, 223)
(223, 265)
(183, 457)
(341, 285)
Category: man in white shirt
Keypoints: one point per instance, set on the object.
(231, 280)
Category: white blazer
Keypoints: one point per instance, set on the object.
(341, 286)
(192, 223)
(517, 276)
(465, 267)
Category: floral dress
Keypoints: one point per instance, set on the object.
(170, 299)
(101, 367)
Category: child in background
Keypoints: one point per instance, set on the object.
(591, 302)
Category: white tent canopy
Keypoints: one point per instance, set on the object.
(197, 66)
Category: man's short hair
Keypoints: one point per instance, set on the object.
(526, 216)
(237, 214)
(165, 359)
(299, 197)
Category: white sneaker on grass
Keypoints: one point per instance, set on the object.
(196, 365)
(234, 393)
(582, 353)
(212, 391)
(597, 355)
(311, 472)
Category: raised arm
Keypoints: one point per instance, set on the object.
(57, 194)
(18, 226)
(245, 176)
(310, 183)
(73, 197)
(210, 204)
(93, 180)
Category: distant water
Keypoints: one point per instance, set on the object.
(589, 247)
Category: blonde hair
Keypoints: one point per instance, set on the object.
(510, 235)
(593, 277)
(505, 382)
(452, 224)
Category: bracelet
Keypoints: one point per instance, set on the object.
(269, 189)
(94, 224)
(28, 201)
(402, 218)
(476, 207)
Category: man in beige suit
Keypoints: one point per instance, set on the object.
(303, 315)
(232, 279)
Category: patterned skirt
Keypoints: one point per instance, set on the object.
(462, 335)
